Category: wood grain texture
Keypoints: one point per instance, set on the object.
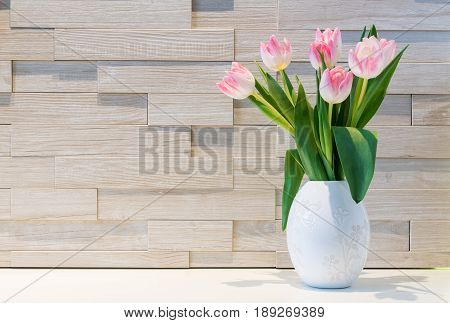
(5, 76)
(430, 236)
(78, 140)
(54, 204)
(352, 15)
(100, 259)
(190, 109)
(162, 45)
(5, 259)
(160, 77)
(205, 259)
(78, 108)
(431, 110)
(26, 172)
(5, 141)
(4, 14)
(5, 111)
(258, 236)
(189, 205)
(132, 172)
(26, 44)
(387, 259)
(248, 14)
(73, 235)
(389, 235)
(5, 204)
(190, 235)
(101, 14)
(255, 141)
(35, 76)
(258, 173)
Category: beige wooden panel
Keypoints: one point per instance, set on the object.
(213, 142)
(78, 108)
(255, 141)
(5, 111)
(387, 259)
(245, 113)
(101, 13)
(5, 204)
(133, 172)
(27, 172)
(5, 256)
(232, 259)
(394, 111)
(258, 236)
(190, 109)
(160, 77)
(4, 14)
(425, 46)
(190, 235)
(412, 174)
(163, 45)
(246, 14)
(180, 205)
(5, 76)
(430, 236)
(36, 76)
(400, 15)
(54, 204)
(78, 140)
(5, 141)
(431, 110)
(258, 173)
(410, 204)
(100, 259)
(420, 79)
(26, 44)
(389, 235)
(73, 235)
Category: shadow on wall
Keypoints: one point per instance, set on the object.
(386, 288)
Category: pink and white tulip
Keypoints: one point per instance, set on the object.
(335, 85)
(275, 55)
(371, 56)
(329, 45)
(239, 83)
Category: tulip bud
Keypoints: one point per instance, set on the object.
(275, 55)
(328, 45)
(335, 85)
(239, 83)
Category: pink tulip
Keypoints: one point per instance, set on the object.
(371, 56)
(239, 82)
(328, 44)
(275, 55)
(335, 85)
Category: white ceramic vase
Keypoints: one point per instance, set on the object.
(327, 234)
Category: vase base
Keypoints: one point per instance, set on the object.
(327, 285)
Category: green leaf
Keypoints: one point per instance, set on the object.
(363, 34)
(288, 88)
(272, 114)
(263, 73)
(376, 91)
(283, 102)
(373, 32)
(266, 96)
(357, 150)
(293, 175)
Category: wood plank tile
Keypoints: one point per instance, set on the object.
(180, 205)
(26, 44)
(413, 204)
(5, 76)
(73, 235)
(254, 141)
(102, 14)
(5, 204)
(100, 259)
(389, 235)
(219, 259)
(160, 77)
(351, 15)
(387, 259)
(78, 140)
(412, 174)
(54, 204)
(430, 236)
(423, 78)
(258, 236)
(27, 172)
(190, 109)
(258, 173)
(78, 108)
(5, 259)
(213, 142)
(67, 76)
(246, 14)
(162, 45)
(431, 110)
(190, 235)
(133, 172)
(5, 111)
(4, 14)
(5, 141)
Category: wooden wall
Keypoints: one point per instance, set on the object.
(81, 81)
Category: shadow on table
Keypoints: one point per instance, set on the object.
(396, 287)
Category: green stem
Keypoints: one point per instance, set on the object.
(330, 136)
(360, 99)
(276, 116)
(330, 113)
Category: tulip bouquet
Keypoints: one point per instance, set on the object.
(331, 142)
